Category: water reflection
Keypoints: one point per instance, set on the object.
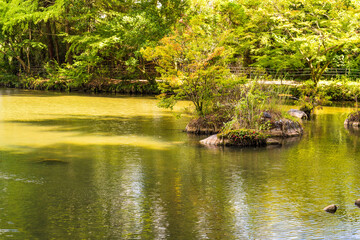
(119, 168)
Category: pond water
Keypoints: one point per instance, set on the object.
(91, 167)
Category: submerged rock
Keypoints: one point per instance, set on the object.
(331, 208)
(298, 114)
(51, 162)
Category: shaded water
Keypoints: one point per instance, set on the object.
(88, 167)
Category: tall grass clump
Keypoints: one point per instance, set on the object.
(258, 107)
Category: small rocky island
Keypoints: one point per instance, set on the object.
(353, 120)
(275, 129)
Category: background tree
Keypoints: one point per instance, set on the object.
(298, 34)
(193, 59)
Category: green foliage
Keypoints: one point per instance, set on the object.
(86, 36)
(255, 101)
(166, 102)
(299, 34)
(192, 42)
(244, 137)
(312, 97)
(193, 59)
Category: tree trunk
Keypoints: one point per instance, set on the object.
(50, 40)
(68, 57)
(28, 49)
(56, 43)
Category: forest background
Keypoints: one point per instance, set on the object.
(69, 44)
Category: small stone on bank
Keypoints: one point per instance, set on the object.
(298, 114)
(331, 208)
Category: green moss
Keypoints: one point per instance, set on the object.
(244, 137)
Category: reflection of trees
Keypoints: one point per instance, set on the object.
(171, 194)
(186, 191)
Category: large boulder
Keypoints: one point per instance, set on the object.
(298, 114)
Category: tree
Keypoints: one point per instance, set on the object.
(121, 29)
(16, 35)
(293, 33)
(318, 31)
(193, 59)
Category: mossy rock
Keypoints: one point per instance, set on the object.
(281, 129)
(353, 120)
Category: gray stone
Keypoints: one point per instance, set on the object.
(266, 115)
(273, 141)
(212, 140)
(298, 114)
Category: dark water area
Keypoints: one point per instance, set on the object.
(90, 167)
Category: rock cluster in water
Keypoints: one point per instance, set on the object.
(349, 123)
(332, 208)
(281, 130)
(353, 120)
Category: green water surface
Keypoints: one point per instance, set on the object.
(105, 167)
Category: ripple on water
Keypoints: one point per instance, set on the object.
(13, 177)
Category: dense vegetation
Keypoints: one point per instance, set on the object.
(79, 41)
(188, 44)
(83, 40)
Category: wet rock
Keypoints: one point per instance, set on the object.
(357, 203)
(354, 124)
(282, 130)
(212, 140)
(353, 120)
(273, 141)
(331, 208)
(298, 114)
